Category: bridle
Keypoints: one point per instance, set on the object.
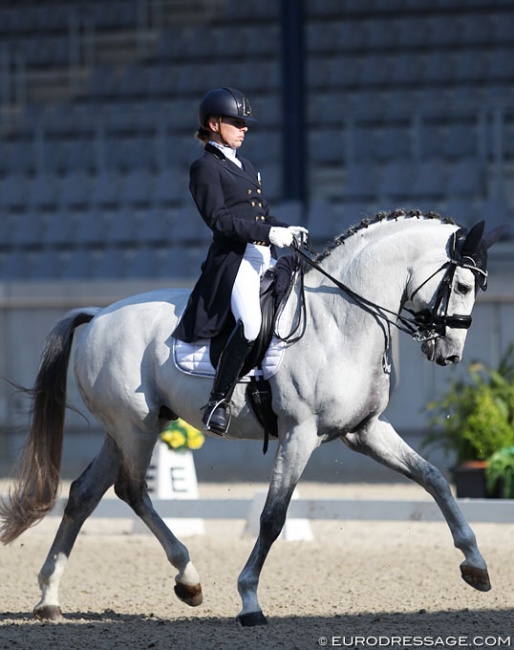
(426, 324)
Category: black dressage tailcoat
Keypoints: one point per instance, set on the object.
(231, 203)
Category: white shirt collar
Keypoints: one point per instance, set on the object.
(228, 152)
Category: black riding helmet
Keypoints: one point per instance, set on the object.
(227, 102)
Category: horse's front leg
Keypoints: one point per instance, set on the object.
(293, 453)
(381, 442)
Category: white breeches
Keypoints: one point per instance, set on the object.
(245, 302)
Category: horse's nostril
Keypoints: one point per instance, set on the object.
(454, 358)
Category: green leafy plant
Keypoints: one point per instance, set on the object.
(475, 417)
(499, 473)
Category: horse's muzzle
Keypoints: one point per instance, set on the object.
(433, 353)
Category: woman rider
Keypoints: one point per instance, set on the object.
(228, 194)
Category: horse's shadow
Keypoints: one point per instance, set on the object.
(441, 629)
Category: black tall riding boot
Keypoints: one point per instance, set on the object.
(217, 412)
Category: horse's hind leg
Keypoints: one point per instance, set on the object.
(85, 494)
(131, 487)
(382, 443)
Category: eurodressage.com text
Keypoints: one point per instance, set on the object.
(401, 642)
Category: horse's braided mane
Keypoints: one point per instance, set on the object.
(394, 215)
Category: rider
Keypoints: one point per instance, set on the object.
(228, 194)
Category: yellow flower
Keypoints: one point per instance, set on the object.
(181, 435)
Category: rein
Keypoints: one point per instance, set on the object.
(424, 325)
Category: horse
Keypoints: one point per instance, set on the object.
(415, 271)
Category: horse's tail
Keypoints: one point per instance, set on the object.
(39, 465)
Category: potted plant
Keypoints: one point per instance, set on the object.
(499, 473)
(473, 420)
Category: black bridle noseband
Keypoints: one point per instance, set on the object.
(426, 324)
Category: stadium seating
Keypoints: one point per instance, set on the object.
(406, 101)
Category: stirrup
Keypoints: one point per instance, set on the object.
(210, 409)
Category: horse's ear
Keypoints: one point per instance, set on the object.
(494, 235)
(473, 239)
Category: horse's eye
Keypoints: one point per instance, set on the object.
(462, 288)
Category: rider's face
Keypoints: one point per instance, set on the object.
(229, 131)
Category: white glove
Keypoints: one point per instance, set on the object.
(281, 237)
(299, 231)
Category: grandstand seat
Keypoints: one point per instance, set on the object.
(79, 154)
(375, 70)
(137, 188)
(496, 211)
(502, 27)
(90, 227)
(465, 178)
(188, 227)
(380, 35)
(43, 191)
(320, 37)
(104, 82)
(428, 139)
(46, 265)
(326, 146)
(475, 31)
(412, 31)
(438, 68)
(461, 141)
(121, 227)
(16, 265)
(444, 30)
(471, 66)
(18, 157)
(144, 263)
(133, 82)
(170, 186)
(350, 35)
(321, 220)
(59, 228)
(360, 181)
(111, 264)
(79, 264)
(27, 228)
(106, 188)
(429, 179)
(359, 142)
(407, 69)
(395, 181)
(499, 66)
(13, 191)
(462, 210)
(155, 226)
(75, 189)
(181, 263)
(393, 142)
(139, 152)
(351, 213)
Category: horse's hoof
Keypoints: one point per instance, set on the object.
(252, 619)
(48, 613)
(476, 578)
(189, 594)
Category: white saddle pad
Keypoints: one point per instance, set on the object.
(194, 359)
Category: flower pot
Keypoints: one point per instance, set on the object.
(469, 480)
